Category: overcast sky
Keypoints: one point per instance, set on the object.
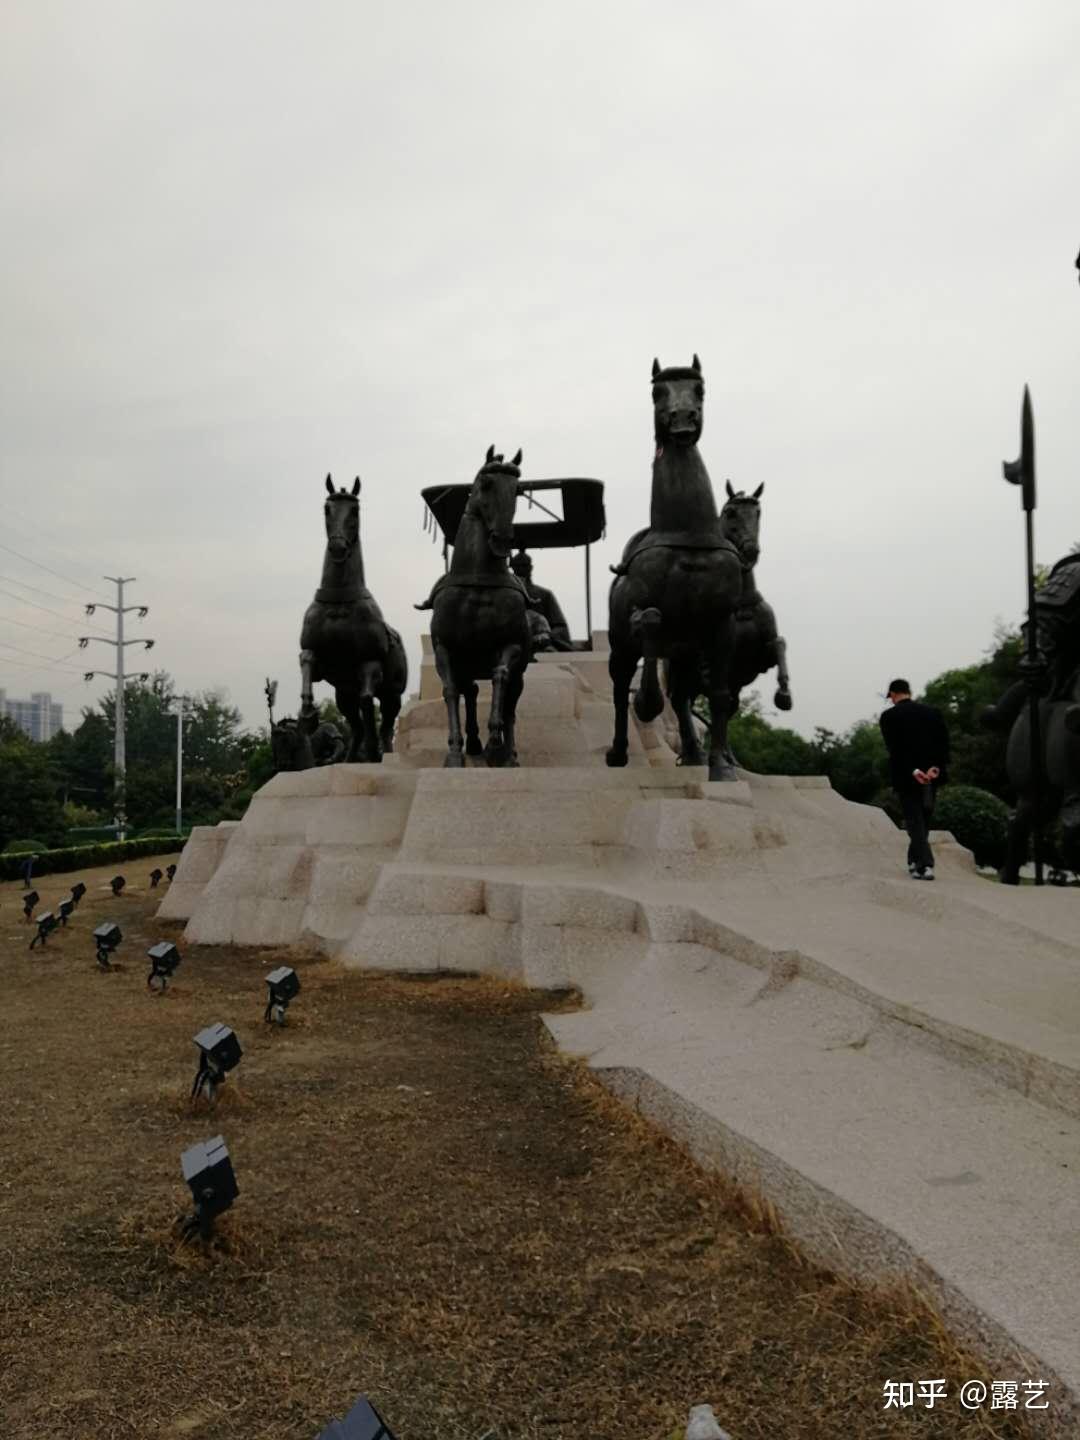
(245, 244)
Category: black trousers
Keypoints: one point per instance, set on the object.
(917, 802)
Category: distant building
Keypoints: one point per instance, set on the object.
(40, 716)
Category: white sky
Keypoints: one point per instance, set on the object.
(242, 245)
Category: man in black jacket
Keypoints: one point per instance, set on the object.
(917, 740)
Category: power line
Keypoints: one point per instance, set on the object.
(40, 629)
(25, 585)
(44, 608)
(49, 571)
(54, 659)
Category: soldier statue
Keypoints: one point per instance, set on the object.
(1057, 636)
(553, 633)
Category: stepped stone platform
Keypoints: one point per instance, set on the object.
(896, 1066)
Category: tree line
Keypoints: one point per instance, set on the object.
(51, 792)
(48, 791)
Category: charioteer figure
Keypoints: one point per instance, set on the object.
(554, 632)
(1054, 674)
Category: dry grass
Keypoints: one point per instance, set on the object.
(435, 1209)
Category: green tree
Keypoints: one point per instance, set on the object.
(30, 790)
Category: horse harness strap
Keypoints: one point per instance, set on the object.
(467, 581)
(673, 540)
(339, 595)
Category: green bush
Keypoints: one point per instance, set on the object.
(24, 847)
(83, 857)
(976, 819)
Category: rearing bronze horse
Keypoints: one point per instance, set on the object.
(346, 641)
(678, 586)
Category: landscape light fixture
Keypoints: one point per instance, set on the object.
(155, 879)
(106, 938)
(78, 890)
(164, 958)
(116, 884)
(29, 901)
(284, 986)
(46, 924)
(208, 1172)
(170, 871)
(66, 908)
(144, 610)
(363, 1422)
(219, 1052)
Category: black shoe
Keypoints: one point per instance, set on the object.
(926, 873)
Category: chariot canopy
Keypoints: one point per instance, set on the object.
(582, 521)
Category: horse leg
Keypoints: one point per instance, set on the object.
(721, 761)
(473, 743)
(621, 667)
(782, 698)
(511, 659)
(372, 749)
(348, 702)
(308, 713)
(514, 686)
(649, 699)
(389, 709)
(1070, 804)
(682, 683)
(370, 684)
(455, 745)
(1021, 823)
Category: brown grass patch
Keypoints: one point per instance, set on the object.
(434, 1208)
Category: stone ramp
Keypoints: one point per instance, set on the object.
(896, 1065)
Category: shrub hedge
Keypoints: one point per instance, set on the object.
(977, 820)
(24, 847)
(82, 857)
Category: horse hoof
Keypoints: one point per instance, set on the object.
(616, 758)
(455, 760)
(782, 700)
(722, 771)
(691, 757)
(474, 747)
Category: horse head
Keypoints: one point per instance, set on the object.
(342, 513)
(493, 499)
(740, 522)
(678, 394)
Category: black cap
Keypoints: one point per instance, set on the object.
(898, 687)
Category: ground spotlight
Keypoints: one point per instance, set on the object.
(106, 938)
(78, 890)
(116, 884)
(363, 1422)
(155, 879)
(164, 958)
(208, 1172)
(284, 986)
(170, 871)
(46, 924)
(219, 1052)
(66, 908)
(29, 901)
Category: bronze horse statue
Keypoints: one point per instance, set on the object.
(480, 625)
(678, 588)
(1059, 723)
(346, 642)
(759, 646)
